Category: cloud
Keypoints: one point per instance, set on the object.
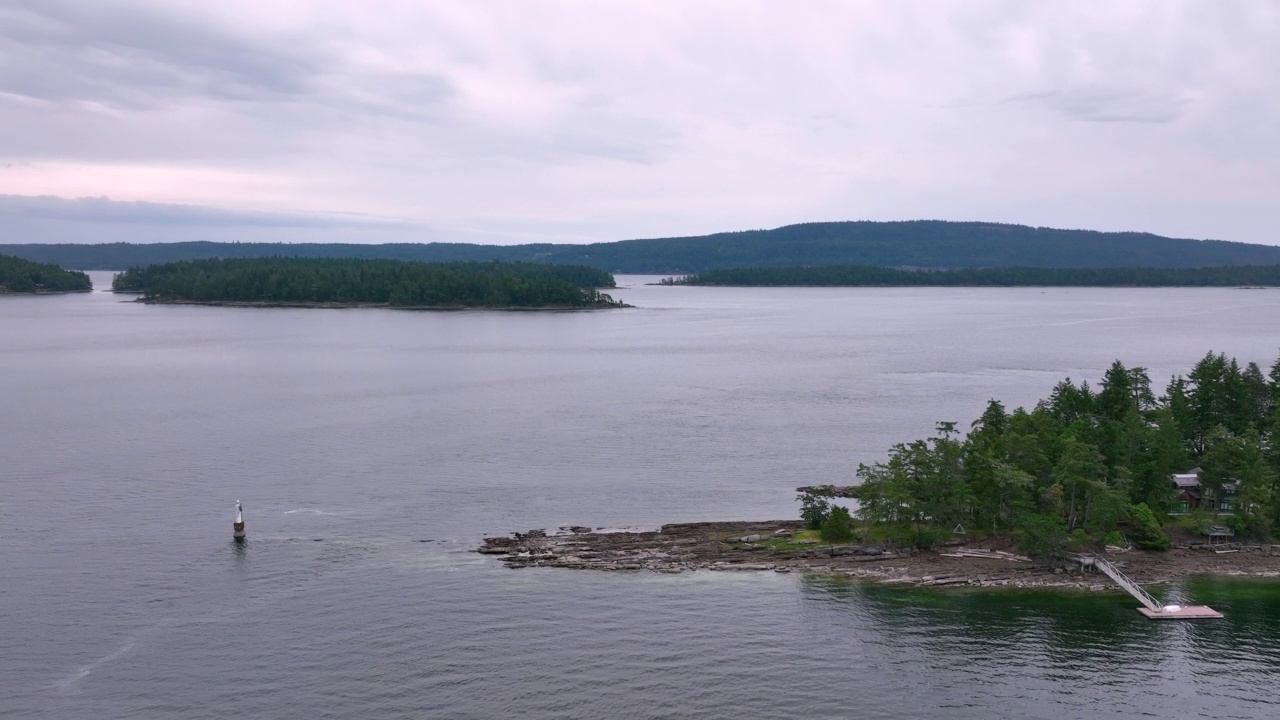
(106, 210)
(1109, 105)
(100, 219)
(583, 121)
(138, 56)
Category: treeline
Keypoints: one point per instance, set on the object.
(18, 275)
(351, 281)
(1093, 464)
(918, 243)
(866, 276)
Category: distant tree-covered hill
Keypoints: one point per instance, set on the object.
(353, 281)
(919, 243)
(863, 275)
(18, 275)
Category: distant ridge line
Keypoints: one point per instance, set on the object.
(904, 243)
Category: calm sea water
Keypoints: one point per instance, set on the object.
(373, 449)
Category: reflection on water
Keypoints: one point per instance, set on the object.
(1075, 648)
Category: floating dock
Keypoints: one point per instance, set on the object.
(1181, 612)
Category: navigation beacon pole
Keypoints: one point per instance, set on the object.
(237, 528)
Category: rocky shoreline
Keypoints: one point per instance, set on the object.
(769, 546)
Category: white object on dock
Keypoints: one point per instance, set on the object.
(1182, 612)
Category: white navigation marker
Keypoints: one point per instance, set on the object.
(237, 528)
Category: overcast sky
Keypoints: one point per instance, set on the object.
(585, 121)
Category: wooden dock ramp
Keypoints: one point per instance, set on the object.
(1152, 609)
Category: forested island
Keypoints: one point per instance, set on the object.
(1180, 483)
(918, 244)
(868, 276)
(350, 282)
(23, 276)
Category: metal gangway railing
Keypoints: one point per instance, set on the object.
(1122, 580)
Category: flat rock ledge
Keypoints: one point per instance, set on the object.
(766, 546)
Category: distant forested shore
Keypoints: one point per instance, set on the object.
(864, 276)
(933, 244)
(23, 276)
(354, 282)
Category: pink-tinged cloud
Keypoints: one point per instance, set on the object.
(580, 121)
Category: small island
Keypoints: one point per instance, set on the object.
(869, 276)
(350, 282)
(1184, 483)
(18, 276)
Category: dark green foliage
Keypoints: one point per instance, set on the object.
(23, 276)
(916, 244)
(925, 536)
(392, 282)
(1218, 397)
(1147, 532)
(838, 527)
(922, 481)
(1094, 462)
(813, 510)
(1238, 523)
(1161, 453)
(1041, 536)
(1240, 461)
(865, 275)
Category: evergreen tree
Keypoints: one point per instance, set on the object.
(838, 527)
(813, 510)
(1147, 532)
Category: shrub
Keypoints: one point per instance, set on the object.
(1114, 538)
(838, 527)
(1041, 535)
(1201, 520)
(1150, 536)
(928, 536)
(813, 510)
(1239, 523)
